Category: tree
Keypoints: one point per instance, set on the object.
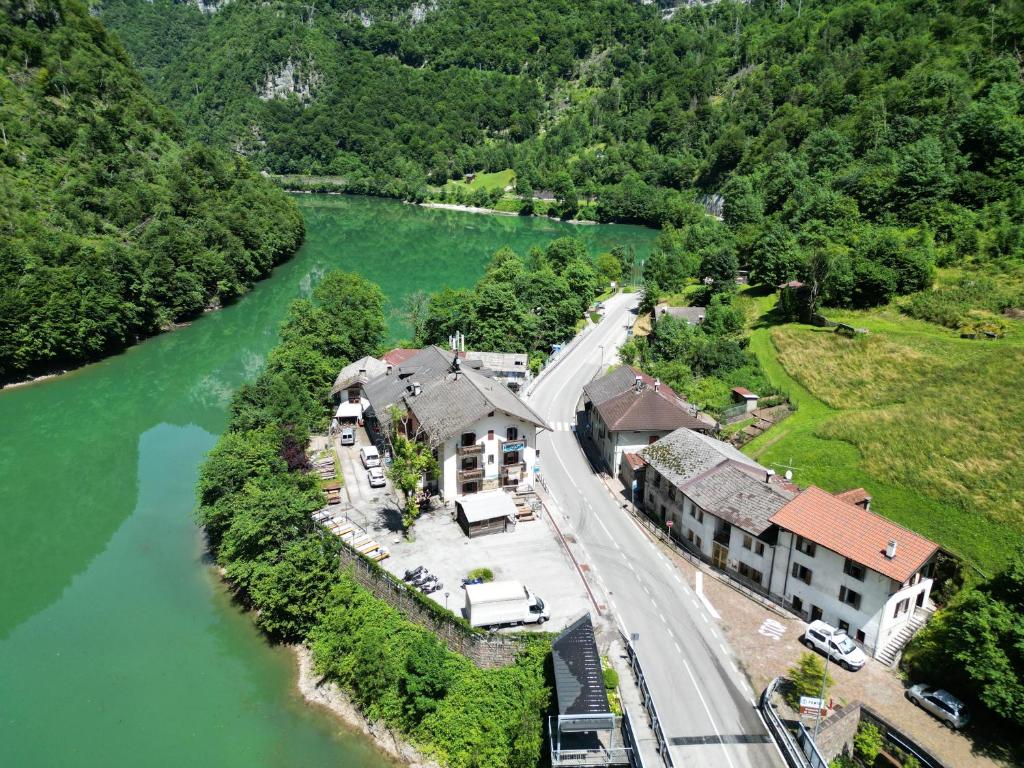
(806, 679)
(415, 313)
(411, 463)
(867, 743)
(563, 250)
(775, 257)
(565, 193)
(609, 267)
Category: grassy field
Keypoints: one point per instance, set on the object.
(931, 424)
(497, 180)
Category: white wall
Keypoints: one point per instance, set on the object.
(614, 444)
(451, 461)
(877, 603)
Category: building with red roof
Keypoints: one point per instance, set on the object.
(838, 561)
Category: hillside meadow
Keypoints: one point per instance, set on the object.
(931, 424)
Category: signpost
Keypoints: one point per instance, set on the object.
(510, 446)
(811, 705)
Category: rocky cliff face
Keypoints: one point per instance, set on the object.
(298, 78)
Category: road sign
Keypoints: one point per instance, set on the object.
(811, 705)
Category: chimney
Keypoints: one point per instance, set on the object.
(890, 551)
(416, 388)
(638, 384)
(866, 503)
(768, 475)
(657, 385)
(387, 371)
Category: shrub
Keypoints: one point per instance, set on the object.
(867, 744)
(806, 679)
(482, 573)
(611, 679)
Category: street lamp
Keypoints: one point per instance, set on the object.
(824, 677)
(446, 600)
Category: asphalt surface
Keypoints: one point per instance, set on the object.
(706, 707)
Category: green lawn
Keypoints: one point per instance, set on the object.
(497, 180)
(929, 423)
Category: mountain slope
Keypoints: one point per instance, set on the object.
(111, 227)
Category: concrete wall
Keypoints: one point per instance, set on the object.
(451, 461)
(835, 737)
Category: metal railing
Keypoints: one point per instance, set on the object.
(791, 751)
(652, 711)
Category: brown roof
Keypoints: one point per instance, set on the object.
(398, 355)
(743, 392)
(855, 533)
(646, 410)
(792, 284)
(635, 460)
(854, 496)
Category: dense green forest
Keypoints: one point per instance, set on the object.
(857, 144)
(114, 224)
(256, 496)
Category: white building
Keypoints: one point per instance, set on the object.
(482, 434)
(856, 570)
(824, 556)
(628, 410)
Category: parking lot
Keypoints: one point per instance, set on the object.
(530, 553)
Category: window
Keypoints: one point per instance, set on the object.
(469, 463)
(468, 488)
(748, 541)
(802, 572)
(805, 546)
(697, 512)
(652, 439)
(662, 511)
(512, 433)
(849, 597)
(816, 613)
(901, 607)
(689, 535)
(511, 457)
(490, 434)
(759, 548)
(657, 480)
(798, 605)
(861, 637)
(490, 458)
(672, 492)
(751, 573)
(844, 626)
(468, 438)
(698, 542)
(851, 568)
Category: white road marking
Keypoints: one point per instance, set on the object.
(714, 725)
(662, 617)
(678, 649)
(705, 617)
(676, 576)
(703, 597)
(722, 649)
(772, 628)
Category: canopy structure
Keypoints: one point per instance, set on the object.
(351, 411)
(485, 512)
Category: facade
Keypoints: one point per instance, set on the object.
(483, 436)
(824, 556)
(628, 410)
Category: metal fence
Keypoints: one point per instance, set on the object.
(652, 711)
(792, 752)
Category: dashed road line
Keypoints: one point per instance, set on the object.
(714, 725)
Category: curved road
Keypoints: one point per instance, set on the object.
(705, 704)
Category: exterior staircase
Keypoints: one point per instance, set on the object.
(891, 653)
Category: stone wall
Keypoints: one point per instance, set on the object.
(487, 651)
(835, 736)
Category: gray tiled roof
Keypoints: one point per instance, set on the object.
(359, 372)
(612, 383)
(385, 390)
(448, 405)
(692, 315)
(647, 410)
(730, 493)
(504, 362)
(718, 478)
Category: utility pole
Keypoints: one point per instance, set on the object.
(821, 695)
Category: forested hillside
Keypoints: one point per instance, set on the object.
(113, 224)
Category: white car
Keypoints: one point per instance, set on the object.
(369, 456)
(835, 644)
(376, 477)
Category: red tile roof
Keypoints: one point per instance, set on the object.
(855, 533)
(398, 355)
(743, 392)
(635, 460)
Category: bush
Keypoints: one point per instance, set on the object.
(611, 679)
(805, 679)
(482, 573)
(867, 744)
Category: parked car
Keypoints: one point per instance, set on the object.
(369, 456)
(376, 477)
(835, 644)
(943, 704)
(348, 436)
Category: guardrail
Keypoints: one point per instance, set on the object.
(652, 711)
(636, 758)
(791, 752)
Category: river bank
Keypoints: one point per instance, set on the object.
(327, 694)
(496, 212)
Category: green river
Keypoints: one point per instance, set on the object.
(118, 644)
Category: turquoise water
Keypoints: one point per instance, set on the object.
(118, 644)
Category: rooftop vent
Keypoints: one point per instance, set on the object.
(415, 388)
(890, 550)
(768, 475)
(387, 372)
(657, 385)
(638, 383)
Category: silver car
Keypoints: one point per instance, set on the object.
(943, 704)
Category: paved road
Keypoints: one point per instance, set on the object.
(706, 706)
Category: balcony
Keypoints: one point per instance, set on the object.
(722, 535)
(470, 450)
(475, 473)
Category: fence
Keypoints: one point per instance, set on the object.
(892, 734)
(792, 752)
(652, 711)
(486, 650)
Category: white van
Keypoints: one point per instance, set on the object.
(348, 436)
(369, 456)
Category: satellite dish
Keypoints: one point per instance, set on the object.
(789, 474)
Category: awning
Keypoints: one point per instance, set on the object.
(488, 505)
(351, 410)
